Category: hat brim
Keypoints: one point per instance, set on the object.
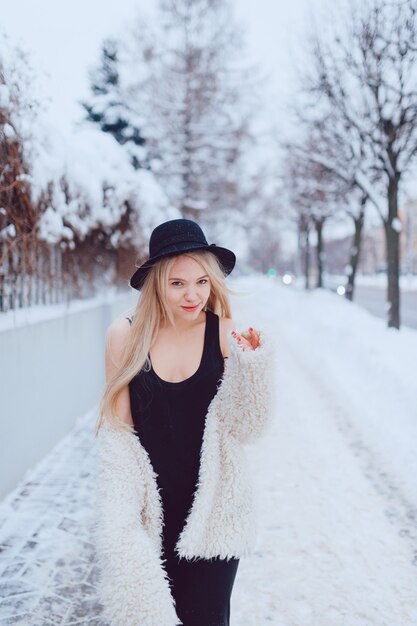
(226, 257)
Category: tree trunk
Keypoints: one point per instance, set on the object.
(306, 258)
(355, 250)
(297, 257)
(319, 251)
(303, 248)
(392, 237)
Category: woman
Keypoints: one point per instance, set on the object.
(174, 498)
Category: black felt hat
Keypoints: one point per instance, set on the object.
(175, 237)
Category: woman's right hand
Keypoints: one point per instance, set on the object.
(248, 340)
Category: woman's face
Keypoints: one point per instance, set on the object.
(188, 286)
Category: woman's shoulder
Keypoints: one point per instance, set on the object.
(117, 338)
(119, 329)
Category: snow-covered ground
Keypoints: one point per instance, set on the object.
(336, 483)
(338, 512)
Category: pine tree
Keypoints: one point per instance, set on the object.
(109, 106)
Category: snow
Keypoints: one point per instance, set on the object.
(335, 476)
(100, 180)
(338, 542)
(4, 96)
(396, 224)
(51, 227)
(84, 178)
(8, 231)
(8, 131)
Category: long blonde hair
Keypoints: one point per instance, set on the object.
(151, 308)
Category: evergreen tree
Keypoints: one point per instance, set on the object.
(109, 106)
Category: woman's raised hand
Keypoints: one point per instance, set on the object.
(248, 340)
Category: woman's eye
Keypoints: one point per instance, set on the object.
(178, 282)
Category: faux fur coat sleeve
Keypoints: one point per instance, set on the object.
(246, 401)
(133, 586)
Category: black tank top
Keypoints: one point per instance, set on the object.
(169, 419)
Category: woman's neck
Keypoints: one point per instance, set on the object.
(183, 326)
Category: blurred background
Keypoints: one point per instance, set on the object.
(289, 132)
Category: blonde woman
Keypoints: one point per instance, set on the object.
(174, 497)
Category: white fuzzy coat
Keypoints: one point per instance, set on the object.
(133, 585)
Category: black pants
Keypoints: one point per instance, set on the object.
(201, 589)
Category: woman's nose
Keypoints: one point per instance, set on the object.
(191, 293)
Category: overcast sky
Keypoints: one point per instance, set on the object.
(64, 40)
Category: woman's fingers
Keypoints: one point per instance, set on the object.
(242, 341)
(251, 340)
(254, 338)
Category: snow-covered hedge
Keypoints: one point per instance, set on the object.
(76, 196)
(89, 184)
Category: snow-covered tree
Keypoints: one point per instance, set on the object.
(74, 213)
(324, 147)
(364, 109)
(314, 196)
(109, 106)
(18, 215)
(199, 102)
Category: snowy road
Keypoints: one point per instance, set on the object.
(373, 298)
(335, 477)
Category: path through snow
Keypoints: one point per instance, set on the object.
(337, 542)
(335, 478)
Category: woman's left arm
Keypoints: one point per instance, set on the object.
(246, 392)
